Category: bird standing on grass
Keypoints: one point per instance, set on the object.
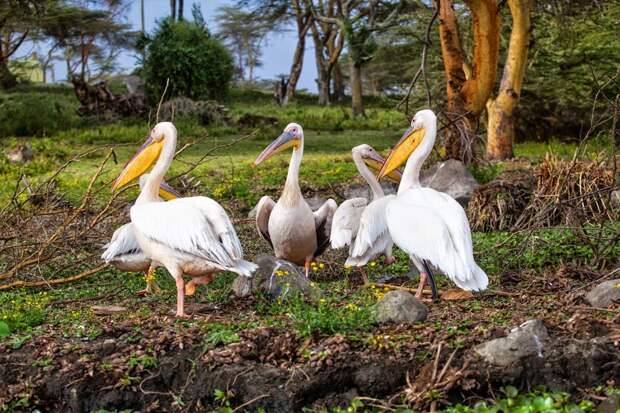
(123, 251)
(359, 224)
(429, 225)
(295, 233)
(188, 236)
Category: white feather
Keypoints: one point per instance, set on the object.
(345, 222)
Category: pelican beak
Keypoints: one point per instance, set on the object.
(282, 142)
(410, 140)
(376, 161)
(167, 192)
(140, 163)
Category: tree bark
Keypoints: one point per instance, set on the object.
(357, 104)
(7, 79)
(467, 95)
(173, 9)
(181, 7)
(500, 128)
(304, 20)
(338, 89)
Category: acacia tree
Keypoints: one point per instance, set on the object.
(501, 124)
(468, 85)
(359, 21)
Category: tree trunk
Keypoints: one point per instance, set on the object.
(7, 79)
(303, 25)
(500, 128)
(467, 95)
(180, 14)
(338, 84)
(357, 105)
(173, 9)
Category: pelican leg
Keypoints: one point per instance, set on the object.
(190, 287)
(431, 279)
(426, 276)
(307, 267)
(180, 296)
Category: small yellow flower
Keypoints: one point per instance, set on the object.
(321, 265)
(373, 264)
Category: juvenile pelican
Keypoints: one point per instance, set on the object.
(361, 225)
(191, 236)
(427, 224)
(123, 250)
(295, 233)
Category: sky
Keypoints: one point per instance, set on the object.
(277, 52)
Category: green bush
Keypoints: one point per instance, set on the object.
(36, 113)
(198, 66)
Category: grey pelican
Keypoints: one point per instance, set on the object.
(191, 236)
(429, 225)
(295, 233)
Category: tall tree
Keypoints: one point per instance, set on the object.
(303, 22)
(173, 9)
(500, 110)
(359, 21)
(181, 7)
(468, 85)
(18, 20)
(244, 33)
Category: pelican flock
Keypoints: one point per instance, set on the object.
(123, 250)
(360, 224)
(427, 224)
(188, 236)
(295, 233)
(195, 237)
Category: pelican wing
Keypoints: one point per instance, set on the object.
(323, 224)
(123, 242)
(373, 234)
(197, 226)
(346, 221)
(263, 212)
(432, 226)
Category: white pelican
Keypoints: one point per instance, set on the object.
(429, 225)
(123, 250)
(295, 233)
(191, 236)
(361, 225)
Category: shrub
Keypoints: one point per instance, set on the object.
(36, 113)
(198, 66)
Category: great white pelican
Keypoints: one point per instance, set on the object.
(295, 233)
(123, 250)
(360, 223)
(191, 236)
(429, 225)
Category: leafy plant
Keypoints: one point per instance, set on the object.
(195, 63)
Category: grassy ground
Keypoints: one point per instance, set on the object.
(64, 314)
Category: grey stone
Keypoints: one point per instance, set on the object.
(610, 405)
(451, 177)
(108, 309)
(275, 278)
(363, 191)
(400, 307)
(527, 340)
(604, 294)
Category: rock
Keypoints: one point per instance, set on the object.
(363, 191)
(527, 340)
(610, 405)
(400, 307)
(108, 309)
(276, 279)
(23, 153)
(604, 294)
(452, 178)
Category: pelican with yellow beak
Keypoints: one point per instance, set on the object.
(429, 225)
(295, 233)
(188, 236)
(359, 224)
(123, 250)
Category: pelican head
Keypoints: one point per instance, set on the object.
(145, 156)
(291, 137)
(375, 161)
(411, 139)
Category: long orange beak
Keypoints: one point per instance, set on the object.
(282, 142)
(139, 163)
(376, 162)
(410, 140)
